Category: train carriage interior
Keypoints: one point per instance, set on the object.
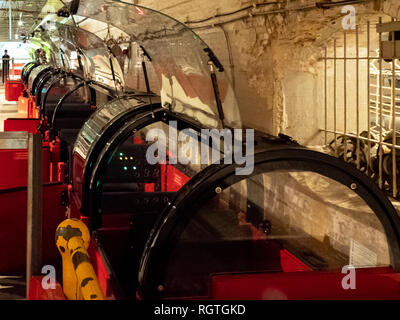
(150, 155)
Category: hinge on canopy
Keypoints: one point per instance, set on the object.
(69, 9)
(211, 63)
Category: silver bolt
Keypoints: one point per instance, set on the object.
(218, 190)
(353, 186)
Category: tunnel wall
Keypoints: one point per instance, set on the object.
(274, 58)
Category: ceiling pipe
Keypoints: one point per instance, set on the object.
(329, 4)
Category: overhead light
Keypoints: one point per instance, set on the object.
(20, 23)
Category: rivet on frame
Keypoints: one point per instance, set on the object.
(353, 186)
(160, 288)
(218, 190)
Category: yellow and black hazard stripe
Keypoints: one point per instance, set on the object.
(79, 278)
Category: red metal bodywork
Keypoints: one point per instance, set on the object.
(23, 106)
(21, 124)
(171, 178)
(14, 167)
(37, 292)
(101, 270)
(32, 110)
(374, 283)
(13, 199)
(13, 204)
(290, 263)
(13, 89)
(14, 163)
(16, 70)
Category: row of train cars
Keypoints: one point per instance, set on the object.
(286, 230)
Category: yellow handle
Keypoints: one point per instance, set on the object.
(79, 278)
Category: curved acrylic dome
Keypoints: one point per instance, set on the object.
(181, 60)
(58, 57)
(97, 62)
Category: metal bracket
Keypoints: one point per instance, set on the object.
(390, 49)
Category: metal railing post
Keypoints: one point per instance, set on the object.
(34, 208)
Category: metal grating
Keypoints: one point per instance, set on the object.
(362, 101)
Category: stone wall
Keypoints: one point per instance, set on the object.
(271, 51)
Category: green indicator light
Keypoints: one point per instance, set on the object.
(98, 182)
(134, 168)
(125, 168)
(121, 154)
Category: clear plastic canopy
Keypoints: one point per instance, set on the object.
(180, 62)
(178, 56)
(73, 43)
(58, 57)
